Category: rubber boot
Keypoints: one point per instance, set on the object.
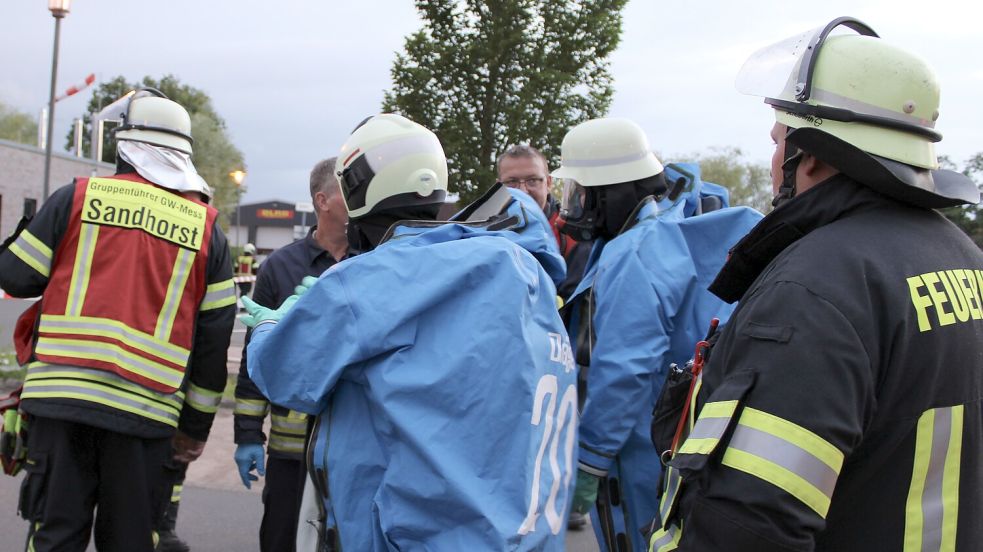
(168, 539)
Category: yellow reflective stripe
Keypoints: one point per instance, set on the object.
(175, 290)
(176, 493)
(286, 444)
(83, 266)
(203, 400)
(795, 434)
(113, 354)
(786, 455)
(290, 424)
(219, 295)
(665, 540)
(710, 427)
(91, 325)
(673, 482)
(932, 507)
(100, 394)
(33, 252)
(43, 371)
(251, 407)
(779, 477)
(692, 403)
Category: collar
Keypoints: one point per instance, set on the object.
(313, 249)
(790, 221)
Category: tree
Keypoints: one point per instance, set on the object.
(485, 74)
(17, 126)
(749, 183)
(968, 217)
(215, 156)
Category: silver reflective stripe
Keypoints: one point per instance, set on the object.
(83, 265)
(249, 408)
(787, 455)
(287, 444)
(62, 388)
(205, 401)
(603, 162)
(709, 428)
(281, 423)
(123, 334)
(932, 510)
(669, 498)
(158, 373)
(213, 297)
(40, 370)
(175, 290)
(836, 100)
(668, 538)
(33, 252)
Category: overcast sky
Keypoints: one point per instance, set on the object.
(291, 78)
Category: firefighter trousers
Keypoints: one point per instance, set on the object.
(74, 469)
(282, 493)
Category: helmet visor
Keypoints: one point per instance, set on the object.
(784, 69)
(574, 198)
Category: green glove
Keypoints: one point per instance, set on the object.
(257, 313)
(585, 494)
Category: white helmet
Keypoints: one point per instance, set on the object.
(249, 249)
(606, 151)
(391, 162)
(862, 105)
(152, 118)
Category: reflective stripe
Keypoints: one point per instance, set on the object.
(603, 162)
(33, 252)
(175, 290)
(932, 508)
(252, 407)
(219, 295)
(710, 427)
(86, 325)
(289, 424)
(673, 480)
(83, 266)
(176, 493)
(665, 540)
(41, 370)
(286, 444)
(54, 381)
(786, 455)
(113, 354)
(837, 100)
(203, 400)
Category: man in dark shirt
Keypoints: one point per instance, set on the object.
(325, 245)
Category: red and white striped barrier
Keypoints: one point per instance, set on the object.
(75, 89)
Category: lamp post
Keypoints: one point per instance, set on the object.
(59, 9)
(238, 177)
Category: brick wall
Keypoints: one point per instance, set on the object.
(22, 177)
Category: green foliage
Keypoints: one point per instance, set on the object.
(215, 156)
(749, 183)
(970, 217)
(486, 74)
(17, 126)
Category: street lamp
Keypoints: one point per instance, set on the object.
(238, 176)
(59, 9)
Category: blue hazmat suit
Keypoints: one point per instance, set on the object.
(648, 288)
(444, 387)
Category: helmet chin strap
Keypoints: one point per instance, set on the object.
(793, 156)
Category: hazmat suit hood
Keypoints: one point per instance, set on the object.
(521, 221)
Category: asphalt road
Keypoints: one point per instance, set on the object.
(217, 513)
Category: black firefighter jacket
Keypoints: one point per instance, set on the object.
(841, 407)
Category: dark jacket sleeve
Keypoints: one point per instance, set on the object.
(807, 397)
(251, 406)
(26, 263)
(207, 370)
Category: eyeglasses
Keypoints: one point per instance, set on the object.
(529, 181)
